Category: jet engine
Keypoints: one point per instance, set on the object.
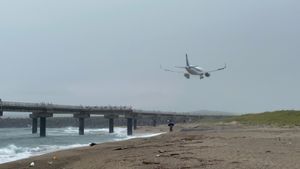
(186, 75)
(207, 74)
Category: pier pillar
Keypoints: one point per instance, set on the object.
(154, 122)
(81, 117)
(34, 125)
(111, 119)
(134, 123)
(42, 116)
(42, 126)
(111, 125)
(184, 119)
(1, 110)
(81, 126)
(129, 126)
(130, 122)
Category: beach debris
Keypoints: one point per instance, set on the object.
(121, 148)
(158, 155)
(31, 164)
(235, 162)
(185, 167)
(150, 162)
(54, 158)
(174, 154)
(162, 151)
(92, 144)
(50, 162)
(279, 139)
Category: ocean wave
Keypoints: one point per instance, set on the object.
(13, 152)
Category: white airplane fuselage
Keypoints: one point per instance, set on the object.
(195, 70)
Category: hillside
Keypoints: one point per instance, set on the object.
(283, 117)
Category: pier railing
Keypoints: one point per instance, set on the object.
(56, 108)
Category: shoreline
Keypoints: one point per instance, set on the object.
(30, 152)
(190, 146)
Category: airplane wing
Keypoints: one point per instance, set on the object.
(169, 70)
(218, 69)
(181, 67)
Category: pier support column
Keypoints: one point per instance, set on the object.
(129, 126)
(42, 116)
(154, 122)
(34, 125)
(134, 123)
(81, 117)
(42, 126)
(81, 126)
(111, 119)
(111, 125)
(1, 110)
(130, 122)
(184, 119)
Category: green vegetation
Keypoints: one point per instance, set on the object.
(280, 118)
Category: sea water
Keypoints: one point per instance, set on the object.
(19, 143)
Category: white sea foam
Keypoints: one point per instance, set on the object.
(74, 130)
(13, 152)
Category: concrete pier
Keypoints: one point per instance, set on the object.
(129, 126)
(81, 117)
(43, 110)
(34, 125)
(134, 123)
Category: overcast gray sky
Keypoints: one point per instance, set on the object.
(108, 53)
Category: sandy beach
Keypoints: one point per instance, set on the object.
(190, 146)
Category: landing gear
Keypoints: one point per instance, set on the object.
(201, 76)
(186, 75)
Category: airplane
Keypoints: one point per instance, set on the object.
(193, 70)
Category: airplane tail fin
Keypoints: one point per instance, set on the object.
(187, 60)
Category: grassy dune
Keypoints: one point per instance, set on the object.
(281, 118)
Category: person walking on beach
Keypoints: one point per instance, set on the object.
(171, 125)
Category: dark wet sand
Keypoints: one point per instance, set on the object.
(194, 146)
